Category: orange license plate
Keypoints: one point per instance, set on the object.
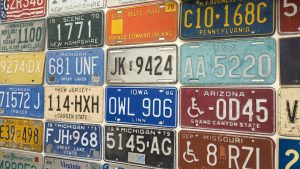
(149, 23)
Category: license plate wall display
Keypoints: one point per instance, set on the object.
(78, 67)
(289, 150)
(115, 3)
(80, 30)
(289, 16)
(209, 19)
(56, 163)
(73, 140)
(250, 61)
(74, 104)
(155, 106)
(157, 64)
(121, 166)
(139, 24)
(208, 150)
(142, 146)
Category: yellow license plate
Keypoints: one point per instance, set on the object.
(22, 68)
(21, 134)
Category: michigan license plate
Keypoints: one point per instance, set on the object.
(56, 163)
(144, 146)
(121, 166)
(289, 16)
(289, 150)
(76, 31)
(84, 66)
(251, 61)
(114, 3)
(142, 65)
(139, 24)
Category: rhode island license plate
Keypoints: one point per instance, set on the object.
(289, 16)
(289, 150)
(56, 163)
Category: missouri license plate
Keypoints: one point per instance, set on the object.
(22, 68)
(251, 61)
(81, 30)
(115, 3)
(22, 101)
(143, 146)
(139, 24)
(208, 150)
(121, 166)
(56, 163)
(21, 134)
(289, 16)
(289, 151)
(80, 67)
(74, 103)
(73, 139)
(142, 65)
(207, 19)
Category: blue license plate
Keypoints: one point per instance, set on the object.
(73, 139)
(289, 151)
(22, 101)
(84, 67)
(207, 19)
(155, 106)
(251, 61)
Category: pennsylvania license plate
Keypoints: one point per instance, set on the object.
(289, 16)
(144, 146)
(208, 150)
(22, 101)
(114, 3)
(207, 19)
(77, 103)
(22, 68)
(56, 163)
(142, 65)
(21, 134)
(121, 166)
(289, 150)
(251, 61)
(73, 139)
(139, 24)
(84, 66)
(23, 36)
(81, 30)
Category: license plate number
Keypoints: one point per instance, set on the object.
(52, 163)
(115, 3)
(289, 16)
(289, 150)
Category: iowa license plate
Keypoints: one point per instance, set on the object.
(251, 61)
(76, 31)
(289, 150)
(224, 151)
(52, 163)
(73, 139)
(22, 101)
(144, 146)
(139, 24)
(289, 16)
(207, 19)
(115, 3)
(142, 65)
(84, 66)
(77, 103)
(121, 166)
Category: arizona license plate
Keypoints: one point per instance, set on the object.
(207, 19)
(251, 61)
(121, 166)
(289, 151)
(77, 103)
(208, 150)
(22, 101)
(139, 24)
(76, 31)
(144, 146)
(56, 163)
(73, 139)
(289, 16)
(115, 3)
(84, 66)
(142, 65)
(23, 36)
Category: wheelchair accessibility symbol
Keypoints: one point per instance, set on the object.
(189, 155)
(194, 111)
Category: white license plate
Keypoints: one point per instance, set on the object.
(114, 3)
(55, 163)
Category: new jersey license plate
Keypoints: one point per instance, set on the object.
(251, 61)
(115, 3)
(143, 146)
(56, 163)
(21, 134)
(74, 103)
(142, 65)
(289, 151)
(73, 139)
(81, 30)
(121, 166)
(139, 24)
(80, 67)
(209, 150)
(289, 16)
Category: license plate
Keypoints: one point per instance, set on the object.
(139, 24)
(208, 150)
(21, 134)
(207, 19)
(289, 150)
(76, 31)
(23, 36)
(155, 106)
(73, 140)
(78, 103)
(289, 16)
(22, 101)
(84, 66)
(142, 65)
(56, 163)
(114, 3)
(251, 61)
(121, 166)
(144, 146)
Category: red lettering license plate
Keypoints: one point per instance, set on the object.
(289, 16)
